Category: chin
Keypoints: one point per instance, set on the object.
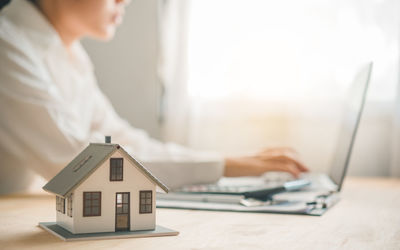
(105, 34)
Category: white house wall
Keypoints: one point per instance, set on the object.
(133, 181)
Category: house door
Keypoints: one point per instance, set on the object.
(122, 220)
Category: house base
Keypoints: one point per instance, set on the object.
(65, 235)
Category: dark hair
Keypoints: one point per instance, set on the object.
(4, 3)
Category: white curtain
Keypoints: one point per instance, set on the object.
(241, 75)
(395, 153)
(172, 69)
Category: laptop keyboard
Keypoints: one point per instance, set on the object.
(240, 185)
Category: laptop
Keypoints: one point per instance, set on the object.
(316, 191)
(333, 181)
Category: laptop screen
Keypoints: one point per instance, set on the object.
(351, 119)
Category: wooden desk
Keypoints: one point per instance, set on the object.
(367, 217)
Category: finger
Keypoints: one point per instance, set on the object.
(288, 167)
(302, 167)
(289, 159)
(294, 170)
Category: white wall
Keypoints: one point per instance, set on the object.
(133, 182)
(126, 66)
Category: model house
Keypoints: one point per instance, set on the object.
(104, 189)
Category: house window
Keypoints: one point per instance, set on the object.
(60, 204)
(116, 169)
(91, 203)
(146, 202)
(69, 205)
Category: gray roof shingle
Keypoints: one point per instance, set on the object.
(85, 164)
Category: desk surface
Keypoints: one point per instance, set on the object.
(367, 217)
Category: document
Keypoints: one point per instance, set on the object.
(297, 207)
(305, 201)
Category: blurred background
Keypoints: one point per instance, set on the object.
(235, 76)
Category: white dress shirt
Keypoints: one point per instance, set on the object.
(51, 108)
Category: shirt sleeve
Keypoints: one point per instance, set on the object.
(37, 131)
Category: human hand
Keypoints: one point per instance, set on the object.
(274, 159)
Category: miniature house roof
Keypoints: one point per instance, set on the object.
(86, 163)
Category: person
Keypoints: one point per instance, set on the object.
(51, 106)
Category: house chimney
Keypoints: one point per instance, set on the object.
(108, 139)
